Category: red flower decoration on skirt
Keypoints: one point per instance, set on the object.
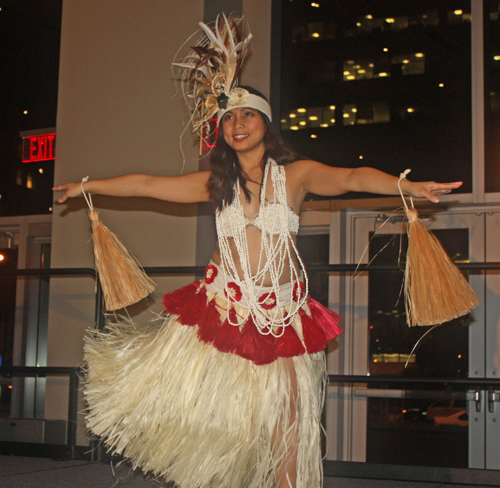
(233, 292)
(210, 273)
(268, 301)
(299, 290)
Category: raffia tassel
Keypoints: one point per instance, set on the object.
(435, 289)
(122, 279)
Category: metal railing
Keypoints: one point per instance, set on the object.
(475, 384)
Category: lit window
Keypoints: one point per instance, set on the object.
(315, 5)
(313, 136)
(301, 110)
(29, 182)
(40, 170)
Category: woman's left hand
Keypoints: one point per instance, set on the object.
(428, 189)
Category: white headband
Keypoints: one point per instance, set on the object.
(241, 98)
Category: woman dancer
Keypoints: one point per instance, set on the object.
(227, 391)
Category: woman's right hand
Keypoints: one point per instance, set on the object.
(71, 190)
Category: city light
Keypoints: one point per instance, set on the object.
(301, 110)
(315, 4)
(313, 136)
(2, 257)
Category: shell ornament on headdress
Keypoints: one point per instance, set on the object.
(209, 74)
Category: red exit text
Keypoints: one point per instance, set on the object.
(39, 148)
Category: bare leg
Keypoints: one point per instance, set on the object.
(286, 477)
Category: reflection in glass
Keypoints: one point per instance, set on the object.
(417, 431)
(492, 96)
(404, 65)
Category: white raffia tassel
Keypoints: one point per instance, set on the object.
(435, 289)
(122, 279)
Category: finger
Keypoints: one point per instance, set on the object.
(430, 196)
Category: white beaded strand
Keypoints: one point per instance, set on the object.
(277, 254)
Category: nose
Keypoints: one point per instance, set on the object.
(238, 120)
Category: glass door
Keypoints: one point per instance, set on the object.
(422, 425)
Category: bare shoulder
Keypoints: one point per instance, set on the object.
(308, 176)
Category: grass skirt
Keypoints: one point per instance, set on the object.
(184, 411)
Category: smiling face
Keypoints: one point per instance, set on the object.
(244, 130)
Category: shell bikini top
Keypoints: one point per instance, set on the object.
(272, 218)
(277, 223)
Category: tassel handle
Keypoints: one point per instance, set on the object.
(411, 213)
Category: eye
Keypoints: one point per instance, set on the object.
(249, 113)
(228, 116)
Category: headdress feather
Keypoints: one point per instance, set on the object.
(209, 73)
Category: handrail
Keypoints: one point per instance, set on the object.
(73, 374)
(155, 270)
(479, 382)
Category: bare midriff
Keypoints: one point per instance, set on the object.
(254, 237)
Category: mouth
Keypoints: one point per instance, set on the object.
(240, 137)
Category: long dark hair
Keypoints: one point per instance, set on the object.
(226, 168)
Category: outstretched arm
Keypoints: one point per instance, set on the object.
(190, 188)
(329, 181)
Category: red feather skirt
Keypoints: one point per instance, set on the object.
(200, 304)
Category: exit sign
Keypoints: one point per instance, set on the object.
(39, 147)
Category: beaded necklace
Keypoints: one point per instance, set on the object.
(275, 251)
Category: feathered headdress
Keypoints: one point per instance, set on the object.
(209, 74)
